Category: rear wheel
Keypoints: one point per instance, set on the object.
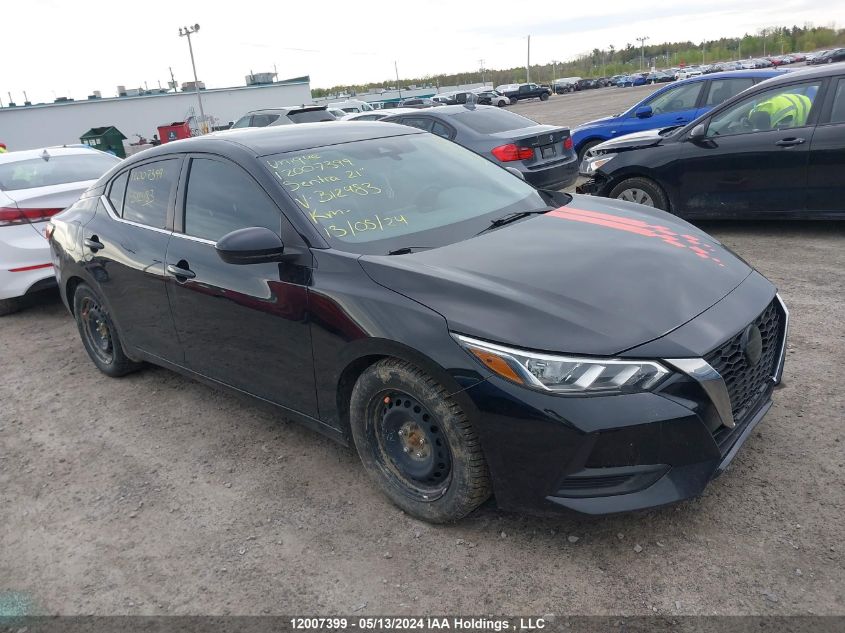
(642, 191)
(99, 335)
(416, 443)
(9, 306)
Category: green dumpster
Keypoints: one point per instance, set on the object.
(106, 139)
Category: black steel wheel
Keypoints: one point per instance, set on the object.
(417, 443)
(99, 335)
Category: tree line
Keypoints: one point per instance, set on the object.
(613, 61)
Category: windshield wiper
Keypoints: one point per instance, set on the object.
(405, 250)
(512, 217)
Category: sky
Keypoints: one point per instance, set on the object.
(69, 48)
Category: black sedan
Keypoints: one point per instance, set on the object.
(543, 154)
(776, 150)
(467, 333)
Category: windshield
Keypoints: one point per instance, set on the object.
(58, 170)
(378, 195)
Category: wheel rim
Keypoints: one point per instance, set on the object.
(409, 445)
(636, 195)
(95, 328)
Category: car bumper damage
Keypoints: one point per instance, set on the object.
(619, 453)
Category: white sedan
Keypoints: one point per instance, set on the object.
(34, 186)
(377, 114)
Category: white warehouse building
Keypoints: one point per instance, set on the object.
(41, 125)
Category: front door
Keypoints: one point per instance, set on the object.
(674, 106)
(753, 159)
(242, 325)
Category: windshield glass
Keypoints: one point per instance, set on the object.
(379, 195)
(58, 170)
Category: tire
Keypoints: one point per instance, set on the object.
(501, 103)
(544, 96)
(586, 147)
(641, 191)
(99, 336)
(9, 306)
(416, 443)
(513, 100)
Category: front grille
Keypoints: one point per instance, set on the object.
(747, 383)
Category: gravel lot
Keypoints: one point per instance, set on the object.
(154, 494)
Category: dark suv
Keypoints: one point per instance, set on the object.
(518, 92)
(284, 116)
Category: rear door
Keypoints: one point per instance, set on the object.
(242, 325)
(826, 171)
(125, 243)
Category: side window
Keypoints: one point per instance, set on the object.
(780, 108)
(263, 120)
(149, 191)
(723, 89)
(837, 114)
(677, 99)
(118, 192)
(222, 198)
(242, 122)
(441, 130)
(419, 122)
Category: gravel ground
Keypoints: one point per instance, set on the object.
(154, 494)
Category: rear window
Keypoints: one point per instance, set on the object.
(493, 120)
(310, 116)
(58, 170)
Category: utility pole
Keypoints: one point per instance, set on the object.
(172, 78)
(398, 86)
(642, 41)
(528, 63)
(187, 32)
(481, 68)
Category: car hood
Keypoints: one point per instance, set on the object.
(646, 138)
(593, 277)
(595, 123)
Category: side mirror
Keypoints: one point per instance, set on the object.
(643, 112)
(253, 245)
(516, 172)
(697, 133)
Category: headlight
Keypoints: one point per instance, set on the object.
(565, 375)
(590, 165)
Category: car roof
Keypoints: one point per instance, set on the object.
(278, 139)
(287, 109)
(26, 154)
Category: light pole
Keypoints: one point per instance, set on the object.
(187, 31)
(396, 68)
(642, 41)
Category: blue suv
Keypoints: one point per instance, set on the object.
(676, 104)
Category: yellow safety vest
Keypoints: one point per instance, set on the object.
(786, 105)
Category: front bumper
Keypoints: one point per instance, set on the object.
(590, 186)
(609, 454)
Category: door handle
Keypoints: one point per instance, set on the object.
(93, 243)
(177, 271)
(789, 142)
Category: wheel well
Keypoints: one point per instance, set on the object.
(347, 381)
(612, 184)
(70, 290)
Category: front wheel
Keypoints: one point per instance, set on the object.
(544, 96)
(417, 443)
(99, 336)
(641, 191)
(501, 103)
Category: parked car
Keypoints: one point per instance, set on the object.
(812, 57)
(542, 154)
(774, 151)
(406, 321)
(419, 102)
(442, 99)
(34, 186)
(659, 77)
(587, 84)
(492, 97)
(376, 115)
(565, 84)
(629, 81)
(353, 105)
(831, 56)
(674, 105)
(337, 113)
(284, 116)
(688, 73)
(520, 92)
